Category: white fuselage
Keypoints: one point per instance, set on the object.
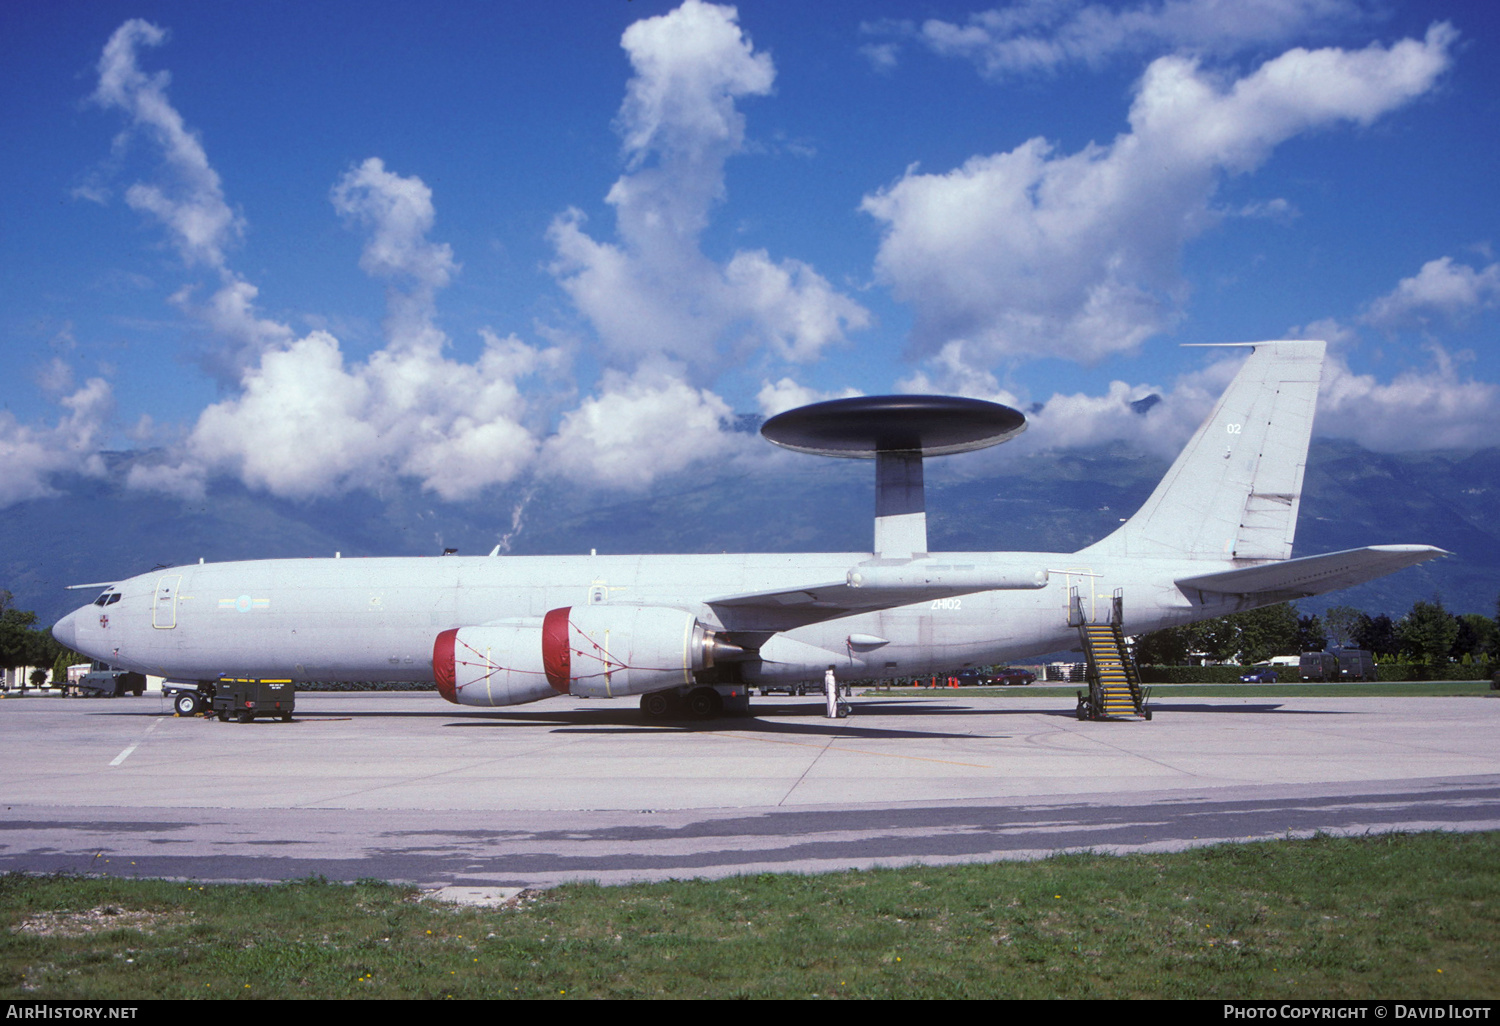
(377, 619)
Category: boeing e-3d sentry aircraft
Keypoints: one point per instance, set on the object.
(1214, 537)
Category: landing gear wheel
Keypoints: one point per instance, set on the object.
(704, 703)
(186, 705)
(656, 704)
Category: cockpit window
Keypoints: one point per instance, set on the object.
(109, 598)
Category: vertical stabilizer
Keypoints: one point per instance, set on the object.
(1233, 492)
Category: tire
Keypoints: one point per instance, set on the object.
(246, 716)
(656, 704)
(186, 705)
(286, 717)
(704, 703)
(223, 715)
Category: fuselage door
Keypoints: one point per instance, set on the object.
(164, 605)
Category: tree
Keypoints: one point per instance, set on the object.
(1265, 632)
(1377, 634)
(1218, 638)
(1311, 636)
(16, 643)
(1427, 632)
(20, 643)
(1252, 636)
(1478, 638)
(1169, 646)
(1342, 625)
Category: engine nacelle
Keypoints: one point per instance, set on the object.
(497, 663)
(601, 651)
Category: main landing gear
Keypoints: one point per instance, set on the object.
(704, 702)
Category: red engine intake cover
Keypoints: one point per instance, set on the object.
(442, 665)
(557, 656)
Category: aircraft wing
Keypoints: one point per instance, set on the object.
(869, 588)
(797, 607)
(1312, 575)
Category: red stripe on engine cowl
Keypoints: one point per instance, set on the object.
(442, 665)
(557, 658)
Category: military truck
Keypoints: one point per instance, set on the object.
(103, 681)
(1355, 664)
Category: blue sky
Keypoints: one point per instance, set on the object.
(319, 246)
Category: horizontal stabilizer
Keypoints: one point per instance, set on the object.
(1312, 575)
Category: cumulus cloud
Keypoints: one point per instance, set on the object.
(187, 199)
(950, 371)
(1044, 36)
(1162, 427)
(653, 291)
(1035, 253)
(641, 426)
(1425, 407)
(1441, 292)
(1153, 418)
(399, 213)
(304, 421)
(190, 201)
(309, 424)
(30, 456)
(785, 394)
(1429, 408)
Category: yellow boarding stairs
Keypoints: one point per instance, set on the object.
(1114, 684)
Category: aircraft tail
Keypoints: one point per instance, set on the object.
(1234, 490)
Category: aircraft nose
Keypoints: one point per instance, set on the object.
(66, 630)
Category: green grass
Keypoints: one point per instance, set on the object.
(1168, 692)
(1410, 916)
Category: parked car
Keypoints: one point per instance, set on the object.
(1010, 675)
(1260, 675)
